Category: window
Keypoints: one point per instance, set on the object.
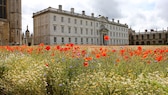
(96, 24)
(75, 21)
(69, 29)
(17, 33)
(113, 34)
(91, 23)
(76, 40)
(87, 40)
(81, 40)
(137, 37)
(148, 36)
(55, 39)
(54, 18)
(97, 32)
(69, 40)
(160, 36)
(97, 41)
(69, 20)
(62, 40)
(86, 23)
(62, 19)
(62, 29)
(81, 22)
(153, 36)
(81, 31)
(92, 40)
(86, 31)
(91, 31)
(75, 30)
(113, 27)
(3, 9)
(55, 28)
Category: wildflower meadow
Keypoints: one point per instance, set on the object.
(83, 70)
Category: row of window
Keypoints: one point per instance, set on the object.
(90, 24)
(113, 41)
(87, 31)
(148, 36)
(116, 34)
(76, 40)
(75, 30)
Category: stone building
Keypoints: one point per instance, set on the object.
(152, 37)
(27, 38)
(58, 26)
(10, 22)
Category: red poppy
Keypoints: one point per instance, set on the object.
(46, 64)
(86, 64)
(83, 52)
(159, 58)
(122, 51)
(104, 54)
(113, 50)
(52, 54)
(58, 47)
(139, 48)
(117, 60)
(47, 48)
(71, 44)
(97, 55)
(106, 37)
(41, 44)
(88, 58)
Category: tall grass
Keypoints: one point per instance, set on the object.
(84, 70)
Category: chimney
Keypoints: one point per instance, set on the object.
(113, 20)
(107, 18)
(83, 12)
(146, 30)
(118, 21)
(60, 7)
(92, 14)
(152, 30)
(72, 10)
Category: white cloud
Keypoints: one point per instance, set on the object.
(139, 14)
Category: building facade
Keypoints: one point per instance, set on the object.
(27, 38)
(10, 22)
(151, 37)
(57, 26)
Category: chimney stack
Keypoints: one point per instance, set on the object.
(107, 18)
(92, 14)
(83, 12)
(146, 30)
(118, 21)
(113, 20)
(60, 7)
(152, 30)
(72, 10)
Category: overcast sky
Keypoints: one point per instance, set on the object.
(138, 14)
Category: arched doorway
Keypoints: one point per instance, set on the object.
(103, 32)
(148, 42)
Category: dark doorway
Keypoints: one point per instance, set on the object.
(137, 43)
(148, 42)
(29, 44)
